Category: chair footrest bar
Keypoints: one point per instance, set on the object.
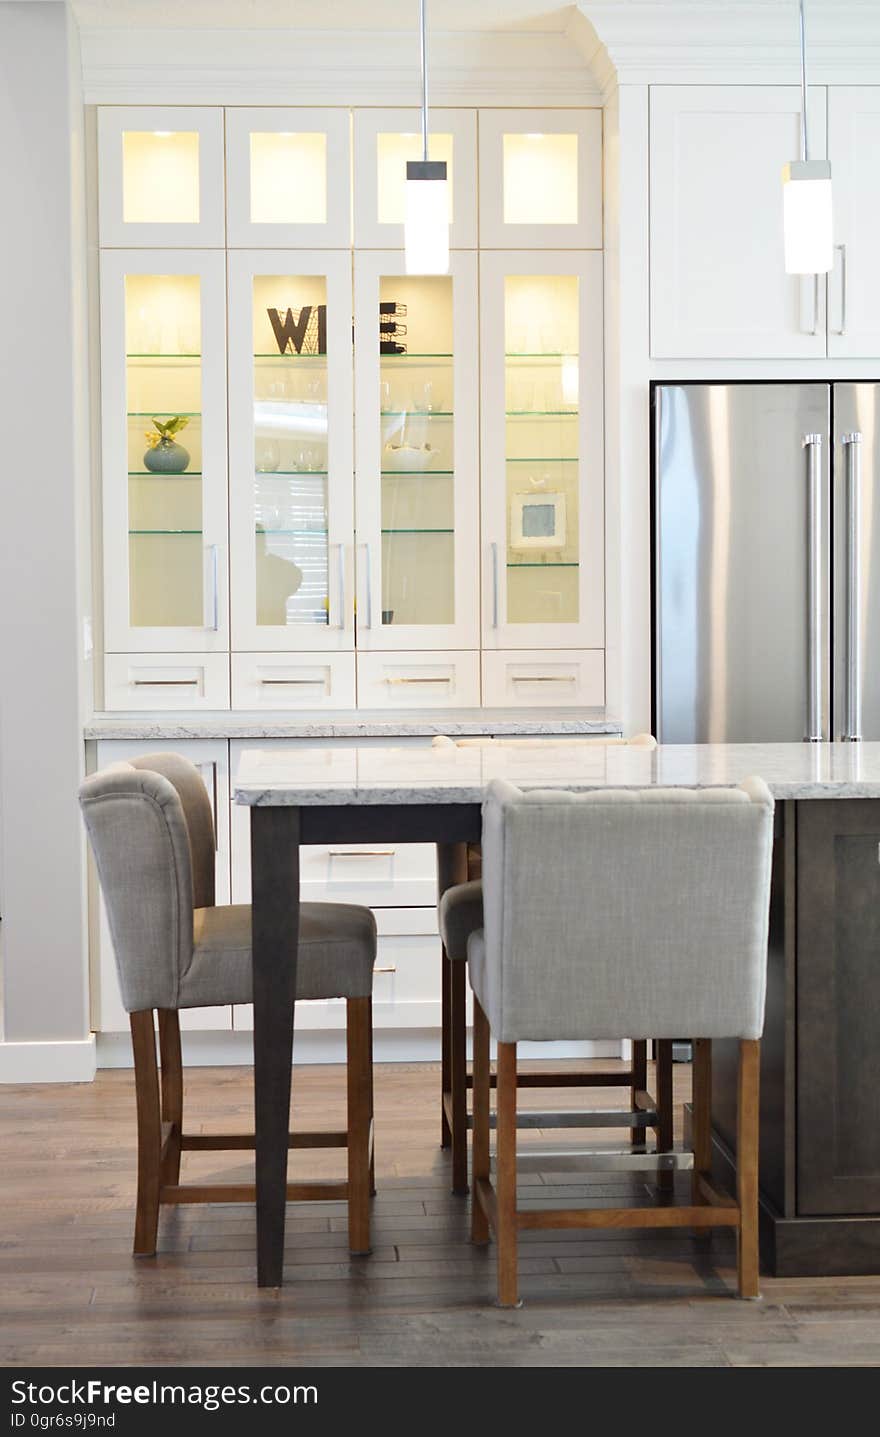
(628, 1217)
(592, 1118)
(614, 1079)
(581, 1160)
(247, 1192)
(228, 1142)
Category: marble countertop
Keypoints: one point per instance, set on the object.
(460, 775)
(365, 723)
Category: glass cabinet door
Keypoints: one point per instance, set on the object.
(164, 468)
(289, 177)
(541, 179)
(542, 451)
(416, 455)
(161, 176)
(383, 142)
(290, 440)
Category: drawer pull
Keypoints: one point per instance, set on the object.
(391, 969)
(362, 852)
(444, 679)
(286, 682)
(544, 678)
(163, 683)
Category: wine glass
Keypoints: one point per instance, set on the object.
(268, 455)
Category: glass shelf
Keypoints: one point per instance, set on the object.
(158, 413)
(541, 413)
(540, 354)
(420, 473)
(418, 531)
(291, 473)
(267, 354)
(154, 474)
(416, 413)
(168, 533)
(544, 459)
(408, 355)
(536, 564)
(300, 533)
(151, 354)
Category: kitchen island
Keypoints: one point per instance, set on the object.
(820, 1072)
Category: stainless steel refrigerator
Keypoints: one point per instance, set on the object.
(766, 521)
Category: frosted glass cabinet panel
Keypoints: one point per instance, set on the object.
(164, 463)
(541, 179)
(291, 450)
(416, 455)
(289, 177)
(384, 140)
(161, 176)
(542, 450)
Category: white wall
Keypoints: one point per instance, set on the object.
(43, 514)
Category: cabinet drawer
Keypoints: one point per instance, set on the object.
(418, 680)
(282, 681)
(532, 678)
(166, 681)
(406, 978)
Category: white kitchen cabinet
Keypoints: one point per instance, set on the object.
(163, 433)
(288, 178)
(384, 140)
(854, 285)
(290, 448)
(542, 451)
(540, 179)
(718, 284)
(417, 454)
(211, 757)
(161, 176)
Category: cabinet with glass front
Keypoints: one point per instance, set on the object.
(290, 495)
(164, 463)
(416, 455)
(542, 453)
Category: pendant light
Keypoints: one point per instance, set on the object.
(426, 228)
(806, 196)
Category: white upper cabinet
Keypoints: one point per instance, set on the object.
(417, 454)
(542, 452)
(384, 140)
(541, 179)
(854, 285)
(718, 282)
(163, 433)
(161, 177)
(288, 177)
(290, 450)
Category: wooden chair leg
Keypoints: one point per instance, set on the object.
(372, 1106)
(663, 1054)
(701, 1115)
(480, 1146)
(747, 1166)
(458, 1072)
(149, 1131)
(505, 1164)
(445, 1042)
(638, 1083)
(359, 1043)
(172, 1091)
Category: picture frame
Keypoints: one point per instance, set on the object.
(537, 521)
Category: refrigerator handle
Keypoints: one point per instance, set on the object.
(852, 449)
(812, 443)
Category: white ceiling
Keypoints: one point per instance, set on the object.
(352, 15)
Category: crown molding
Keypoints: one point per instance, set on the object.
(288, 67)
(705, 42)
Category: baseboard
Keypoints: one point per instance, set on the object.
(46, 1062)
(205, 1049)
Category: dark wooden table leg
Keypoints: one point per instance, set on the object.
(275, 889)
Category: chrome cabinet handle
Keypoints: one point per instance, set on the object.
(809, 322)
(341, 595)
(362, 852)
(543, 678)
(286, 683)
(812, 443)
(852, 448)
(212, 587)
(440, 679)
(368, 571)
(494, 548)
(841, 249)
(163, 683)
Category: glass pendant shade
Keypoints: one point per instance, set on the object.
(426, 226)
(807, 217)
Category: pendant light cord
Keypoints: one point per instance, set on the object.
(805, 146)
(424, 49)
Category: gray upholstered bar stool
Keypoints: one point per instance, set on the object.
(669, 936)
(152, 834)
(460, 913)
